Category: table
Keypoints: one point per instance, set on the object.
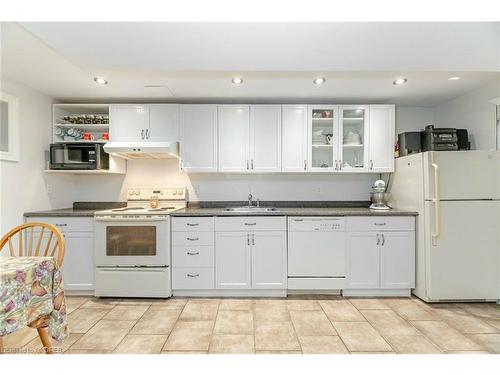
(31, 289)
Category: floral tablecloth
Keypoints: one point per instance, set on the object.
(32, 288)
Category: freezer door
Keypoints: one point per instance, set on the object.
(452, 175)
(463, 263)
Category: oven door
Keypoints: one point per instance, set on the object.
(132, 242)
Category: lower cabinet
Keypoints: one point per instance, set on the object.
(269, 260)
(233, 260)
(78, 263)
(380, 262)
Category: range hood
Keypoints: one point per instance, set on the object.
(143, 150)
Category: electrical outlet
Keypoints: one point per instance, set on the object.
(49, 189)
(318, 189)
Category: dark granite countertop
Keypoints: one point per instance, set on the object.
(285, 208)
(79, 209)
(290, 208)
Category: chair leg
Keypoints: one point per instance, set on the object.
(44, 337)
(1, 345)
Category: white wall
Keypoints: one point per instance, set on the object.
(413, 118)
(221, 186)
(472, 111)
(22, 183)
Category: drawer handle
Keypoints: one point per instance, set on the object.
(250, 223)
(192, 224)
(191, 275)
(197, 253)
(61, 225)
(193, 239)
(380, 224)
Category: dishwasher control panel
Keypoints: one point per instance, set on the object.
(316, 224)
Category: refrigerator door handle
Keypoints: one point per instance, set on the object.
(435, 200)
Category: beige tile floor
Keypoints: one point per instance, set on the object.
(296, 325)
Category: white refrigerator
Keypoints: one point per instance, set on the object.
(457, 197)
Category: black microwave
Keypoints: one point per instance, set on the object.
(78, 156)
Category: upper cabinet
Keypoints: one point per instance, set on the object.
(294, 138)
(353, 137)
(163, 122)
(381, 138)
(144, 122)
(323, 138)
(249, 138)
(265, 138)
(198, 137)
(234, 135)
(128, 122)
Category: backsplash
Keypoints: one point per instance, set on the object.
(216, 187)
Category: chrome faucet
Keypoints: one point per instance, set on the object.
(250, 197)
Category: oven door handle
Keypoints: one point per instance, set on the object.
(134, 220)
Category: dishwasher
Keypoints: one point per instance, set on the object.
(316, 253)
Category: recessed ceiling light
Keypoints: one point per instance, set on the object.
(237, 81)
(400, 81)
(319, 80)
(454, 78)
(100, 81)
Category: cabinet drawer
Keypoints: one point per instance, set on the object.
(192, 238)
(193, 256)
(249, 223)
(380, 223)
(67, 224)
(193, 278)
(192, 224)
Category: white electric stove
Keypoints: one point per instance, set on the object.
(132, 244)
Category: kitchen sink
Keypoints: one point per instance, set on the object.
(251, 209)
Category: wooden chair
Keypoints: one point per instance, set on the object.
(50, 243)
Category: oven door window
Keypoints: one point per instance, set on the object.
(131, 240)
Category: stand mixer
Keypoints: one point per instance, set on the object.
(379, 196)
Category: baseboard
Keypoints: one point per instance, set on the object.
(230, 293)
(376, 292)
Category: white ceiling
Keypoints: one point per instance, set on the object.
(195, 61)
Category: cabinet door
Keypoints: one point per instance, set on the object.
(269, 260)
(232, 260)
(323, 138)
(163, 123)
(397, 260)
(265, 138)
(294, 139)
(78, 264)
(198, 140)
(381, 138)
(128, 122)
(234, 122)
(363, 260)
(353, 137)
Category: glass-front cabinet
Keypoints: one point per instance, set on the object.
(353, 138)
(323, 138)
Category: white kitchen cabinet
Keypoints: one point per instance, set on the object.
(233, 138)
(381, 138)
(265, 138)
(269, 260)
(198, 137)
(144, 122)
(323, 138)
(233, 260)
(380, 261)
(78, 263)
(397, 260)
(353, 138)
(294, 138)
(363, 261)
(163, 123)
(128, 122)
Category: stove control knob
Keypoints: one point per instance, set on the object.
(137, 192)
(130, 192)
(174, 192)
(179, 192)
